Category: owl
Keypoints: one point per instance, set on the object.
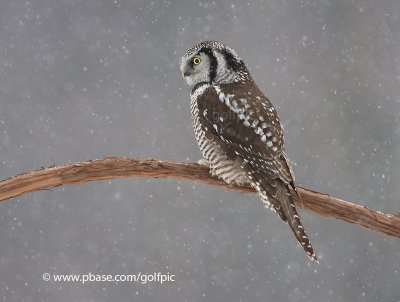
(238, 130)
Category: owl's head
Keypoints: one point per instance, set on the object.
(212, 62)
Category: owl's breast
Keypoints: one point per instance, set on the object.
(211, 146)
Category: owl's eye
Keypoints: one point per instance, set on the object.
(196, 60)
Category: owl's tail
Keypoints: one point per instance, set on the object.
(293, 219)
(276, 195)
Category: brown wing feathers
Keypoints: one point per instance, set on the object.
(249, 131)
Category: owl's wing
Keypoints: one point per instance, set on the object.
(224, 127)
(246, 126)
(248, 122)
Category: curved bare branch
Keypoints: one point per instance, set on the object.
(122, 167)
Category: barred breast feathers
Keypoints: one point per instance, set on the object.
(211, 146)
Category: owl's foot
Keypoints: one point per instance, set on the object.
(204, 162)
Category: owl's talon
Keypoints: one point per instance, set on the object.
(203, 162)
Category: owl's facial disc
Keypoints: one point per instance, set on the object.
(196, 68)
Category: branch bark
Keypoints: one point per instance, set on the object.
(122, 167)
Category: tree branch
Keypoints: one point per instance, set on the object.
(122, 167)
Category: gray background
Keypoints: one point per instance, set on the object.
(81, 80)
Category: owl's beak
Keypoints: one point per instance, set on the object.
(185, 72)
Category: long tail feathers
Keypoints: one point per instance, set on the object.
(276, 195)
(294, 221)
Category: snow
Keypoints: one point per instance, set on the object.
(85, 79)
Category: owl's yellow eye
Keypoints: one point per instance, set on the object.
(196, 60)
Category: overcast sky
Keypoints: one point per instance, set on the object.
(81, 80)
